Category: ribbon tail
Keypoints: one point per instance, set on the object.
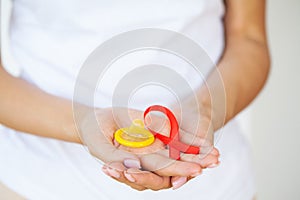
(185, 148)
(174, 153)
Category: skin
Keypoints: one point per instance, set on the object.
(157, 167)
(243, 67)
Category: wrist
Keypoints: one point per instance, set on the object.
(70, 127)
(212, 107)
(86, 122)
(72, 132)
(76, 119)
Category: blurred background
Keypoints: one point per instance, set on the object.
(274, 116)
(271, 122)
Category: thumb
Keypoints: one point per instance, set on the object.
(103, 149)
(99, 140)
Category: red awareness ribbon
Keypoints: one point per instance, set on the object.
(173, 142)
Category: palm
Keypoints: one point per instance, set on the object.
(112, 119)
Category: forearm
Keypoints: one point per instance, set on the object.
(244, 65)
(26, 108)
(243, 68)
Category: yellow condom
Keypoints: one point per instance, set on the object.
(134, 136)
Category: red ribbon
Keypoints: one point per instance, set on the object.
(173, 142)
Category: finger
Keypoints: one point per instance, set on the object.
(206, 146)
(109, 153)
(203, 160)
(209, 160)
(164, 166)
(103, 148)
(158, 124)
(135, 178)
(178, 181)
(99, 140)
(193, 139)
(202, 139)
(116, 143)
(116, 171)
(148, 179)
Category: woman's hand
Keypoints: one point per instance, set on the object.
(125, 164)
(197, 129)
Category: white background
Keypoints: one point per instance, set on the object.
(273, 117)
(275, 113)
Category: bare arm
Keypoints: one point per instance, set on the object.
(26, 108)
(243, 67)
(245, 63)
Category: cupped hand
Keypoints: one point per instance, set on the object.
(141, 168)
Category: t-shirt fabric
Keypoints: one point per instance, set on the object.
(50, 40)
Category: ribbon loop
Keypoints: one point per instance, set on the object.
(173, 141)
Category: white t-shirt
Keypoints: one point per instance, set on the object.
(50, 40)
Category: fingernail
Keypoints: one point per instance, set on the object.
(213, 165)
(132, 163)
(179, 182)
(104, 169)
(113, 173)
(116, 143)
(129, 177)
